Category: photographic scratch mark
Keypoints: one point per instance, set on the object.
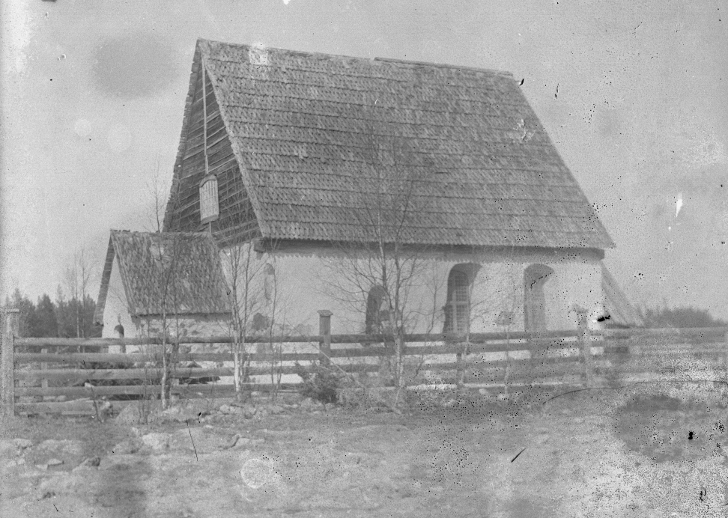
(556, 93)
(518, 454)
(678, 204)
(193, 442)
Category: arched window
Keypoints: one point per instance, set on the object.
(119, 331)
(457, 309)
(269, 283)
(377, 314)
(534, 300)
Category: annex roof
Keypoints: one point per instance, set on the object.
(172, 272)
(320, 139)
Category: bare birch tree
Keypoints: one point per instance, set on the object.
(77, 278)
(384, 208)
(245, 301)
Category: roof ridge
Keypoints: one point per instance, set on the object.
(181, 233)
(325, 55)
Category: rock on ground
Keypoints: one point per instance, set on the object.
(156, 441)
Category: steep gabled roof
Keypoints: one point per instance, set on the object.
(314, 135)
(171, 272)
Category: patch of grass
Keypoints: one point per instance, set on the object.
(665, 428)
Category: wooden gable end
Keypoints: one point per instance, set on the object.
(237, 221)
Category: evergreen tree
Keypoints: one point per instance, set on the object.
(43, 321)
(26, 314)
(684, 316)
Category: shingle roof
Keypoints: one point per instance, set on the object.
(315, 135)
(179, 272)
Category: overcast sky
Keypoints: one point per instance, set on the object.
(633, 93)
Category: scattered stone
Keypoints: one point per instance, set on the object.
(156, 441)
(9, 450)
(133, 414)
(91, 462)
(61, 483)
(227, 409)
(275, 409)
(257, 473)
(249, 410)
(67, 446)
(242, 442)
(232, 442)
(120, 462)
(23, 443)
(127, 447)
(187, 411)
(16, 462)
(311, 404)
(542, 438)
(200, 439)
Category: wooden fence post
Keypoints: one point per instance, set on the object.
(726, 353)
(586, 351)
(7, 360)
(325, 331)
(44, 366)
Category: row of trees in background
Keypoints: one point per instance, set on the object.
(683, 316)
(66, 318)
(70, 315)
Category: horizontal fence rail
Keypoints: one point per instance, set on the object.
(38, 373)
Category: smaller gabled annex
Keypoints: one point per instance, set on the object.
(150, 277)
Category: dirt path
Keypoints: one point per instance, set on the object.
(571, 457)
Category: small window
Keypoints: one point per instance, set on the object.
(209, 205)
(269, 283)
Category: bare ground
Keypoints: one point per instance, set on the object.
(643, 451)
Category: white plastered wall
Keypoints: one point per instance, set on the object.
(306, 282)
(116, 309)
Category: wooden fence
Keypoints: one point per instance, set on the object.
(36, 372)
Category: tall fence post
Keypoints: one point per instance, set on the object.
(587, 352)
(7, 360)
(325, 332)
(726, 353)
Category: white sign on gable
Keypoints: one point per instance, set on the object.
(209, 205)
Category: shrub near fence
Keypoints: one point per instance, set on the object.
(490, 361)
